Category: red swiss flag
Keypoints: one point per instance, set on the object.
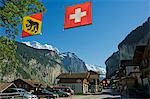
(78, 15)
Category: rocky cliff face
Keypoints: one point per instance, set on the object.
(139, 36)
(39, 64)
(112, 64)
(43, 63)
(72, 63)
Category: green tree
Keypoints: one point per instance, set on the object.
(11, 15)
(8, 60)
(13, 11)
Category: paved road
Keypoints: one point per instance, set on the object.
(92, 97)
(105, 94)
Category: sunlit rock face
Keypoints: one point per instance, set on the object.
(43, 65)
(72, 63)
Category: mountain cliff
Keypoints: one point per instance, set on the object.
(126, 48)
(72, 63)
(43, 63)
(139, 36)
(112, 64)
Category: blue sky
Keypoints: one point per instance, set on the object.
(112, 21)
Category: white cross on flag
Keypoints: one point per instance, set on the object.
(78, 15)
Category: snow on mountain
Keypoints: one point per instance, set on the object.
(68, 54)
(67, 57)
(97, 68)
(37, 45)
(73, 63)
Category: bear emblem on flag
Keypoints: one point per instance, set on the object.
(32, 25)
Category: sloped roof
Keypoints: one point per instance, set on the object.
(94, 72)
(73, 75)
(33, 83)
(4, 86)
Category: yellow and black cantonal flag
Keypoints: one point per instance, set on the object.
(31, 25)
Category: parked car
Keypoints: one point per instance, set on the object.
(59, 92)
(23, 93)
(47, 91)
(43, 93)
(65, 89)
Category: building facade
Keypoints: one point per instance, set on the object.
(77, 81)
(80, 82)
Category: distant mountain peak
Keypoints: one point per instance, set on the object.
(96, 68)
(38, 45)
(69, 54)
(72, 62)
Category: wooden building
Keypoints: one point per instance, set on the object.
(93, 79)
(127, 75)
(81, 82)
(145, 66)
(136, 72)
(29, 85)
(77, 81)
(138, 57)
(5, 86)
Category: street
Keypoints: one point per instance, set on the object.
(105, 94)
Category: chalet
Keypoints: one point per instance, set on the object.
(5, 86)
(29, 85)
(145, 66)
(130, 70)
(138, 57)
(93, 81)
(77, 81)
(126, 75)
(135, 73)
